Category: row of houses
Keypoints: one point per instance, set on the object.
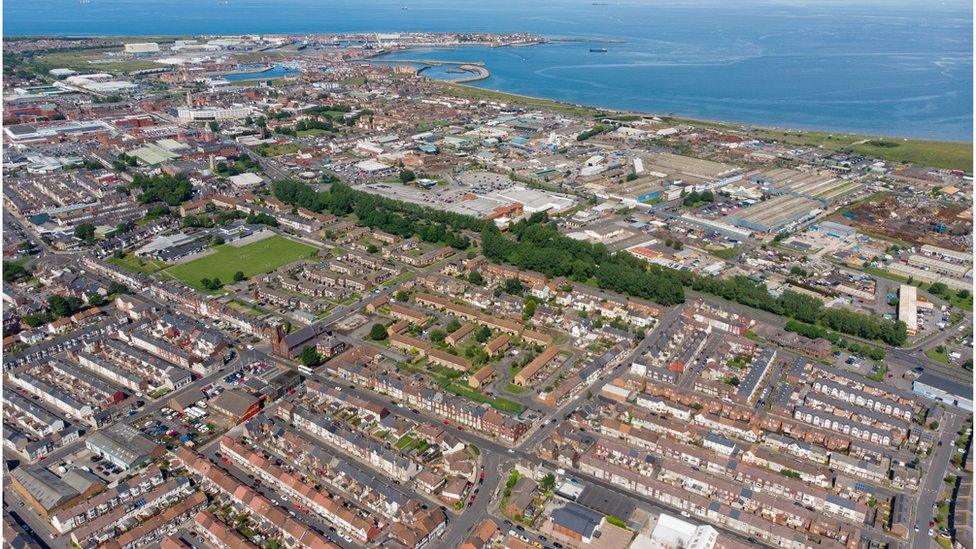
(330, 506)
(450, 407)
(271, 518)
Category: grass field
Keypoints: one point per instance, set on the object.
(81, 62)
(277, 149)
(256, 258)
(938, 355)
(137, 264)
(515, 389)
(727, 254)
(501, 404)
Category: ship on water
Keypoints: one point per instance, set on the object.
(598, 50)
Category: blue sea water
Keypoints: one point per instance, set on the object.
(902, 68)
(270, 73)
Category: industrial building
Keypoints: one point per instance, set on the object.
(944, 390)
(123, 446)
(205, 114)
(908, 307)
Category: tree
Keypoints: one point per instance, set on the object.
(310, 357)
(171, 189)
(86, 232)
(962, 294)
(482, 334)
(239, 276)
(211, 284)
(36, 319)
(476, 278)
(13, 272)
(934, 425)
(403, 296)
(453, 325)
(63, 306)
(548, 482)
(528, 311)
(115, 288)
(938, 288)
(631, 176)
(437, 335)
(513, 286)
(406, 176)
(214, 126)
(378, 332)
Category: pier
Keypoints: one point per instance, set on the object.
(474, 70)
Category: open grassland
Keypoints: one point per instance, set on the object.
(257, 258)
(82, 61)
(130, 262)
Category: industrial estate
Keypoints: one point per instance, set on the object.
(270, 291)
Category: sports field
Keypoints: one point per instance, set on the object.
(256, 258)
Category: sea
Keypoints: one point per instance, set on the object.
(896, 68)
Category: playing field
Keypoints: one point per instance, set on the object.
(256, 258)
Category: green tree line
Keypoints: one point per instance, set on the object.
(536, 244)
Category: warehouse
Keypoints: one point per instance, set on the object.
(908, 307)
(944, 390)
(930, 263)
(810, 184)
(123, 446)
(777, 213)
(923, 275)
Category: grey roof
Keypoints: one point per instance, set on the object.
(44, 486)
(606, 501)
(577, 518)
(720, 440)
(81, 480)
(123, 442)
(954, 388)
(842, 502)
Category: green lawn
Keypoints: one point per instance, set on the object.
(312, 133)
(130, 262)
(255, 258)
(277, 149)
(515, 389)
(727, 254)
(81, 61)
(938, 154)
(500, 404)
(937, 356)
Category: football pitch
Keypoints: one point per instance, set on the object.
(255, 258)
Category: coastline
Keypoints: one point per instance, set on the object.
(947, 154)
(852, 136)
(939, 153)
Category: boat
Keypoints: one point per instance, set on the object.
(598, 50)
